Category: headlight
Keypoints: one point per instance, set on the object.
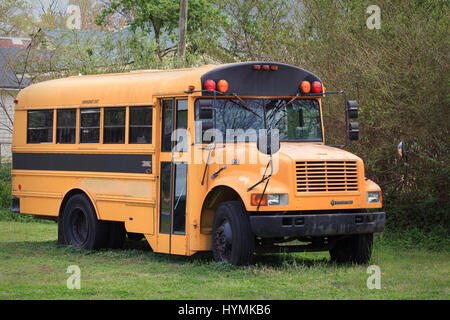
(269, 199)
(373, 196)
(277, 199)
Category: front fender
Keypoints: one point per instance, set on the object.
(240, 181)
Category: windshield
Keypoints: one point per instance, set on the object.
(298, 120)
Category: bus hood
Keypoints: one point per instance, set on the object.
(315, 152)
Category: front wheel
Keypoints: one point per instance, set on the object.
(232, 238)
(356, 248)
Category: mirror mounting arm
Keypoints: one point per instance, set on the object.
(214, 140)
(346, 115)
(404, 155)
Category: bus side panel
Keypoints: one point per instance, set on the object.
(48, 205)
(129, 200)
(37, 196)
(141, 220)
(138, 218)
(116, 197)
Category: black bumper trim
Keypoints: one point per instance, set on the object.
(267, 226)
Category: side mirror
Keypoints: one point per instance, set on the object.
(352, 109)
(402, 150)
(205, 109)
(353, 131)
(268, 143)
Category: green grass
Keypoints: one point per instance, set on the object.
(33, 266)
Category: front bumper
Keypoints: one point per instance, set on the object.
(297, 225)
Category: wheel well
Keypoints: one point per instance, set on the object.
(214, 198)
(68, 196)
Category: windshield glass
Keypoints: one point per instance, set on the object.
(298, 121)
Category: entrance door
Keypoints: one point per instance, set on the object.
(173, 177)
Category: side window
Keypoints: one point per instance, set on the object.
(66, 123)
(181, 111)
(40, 126)
(181, 138)
(166, 133)
(90, 125)
(114, 125)
(140, 125)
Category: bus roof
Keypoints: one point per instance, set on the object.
(139, 87)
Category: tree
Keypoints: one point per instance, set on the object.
(15, 18)
(182, 26)
(14, 71)
(258, 30)
(160, 19)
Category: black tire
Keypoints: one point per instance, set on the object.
(232, 237)
(116, 235)
(81, 226)
(353, 249)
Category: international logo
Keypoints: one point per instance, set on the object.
(341, 202)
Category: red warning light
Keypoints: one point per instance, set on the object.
(316, 87)
(210, 85)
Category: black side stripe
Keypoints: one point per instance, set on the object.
(125, 163)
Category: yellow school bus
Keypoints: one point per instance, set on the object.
(229, 158)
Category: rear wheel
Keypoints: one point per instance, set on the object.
(232, 238)
(81, 226)
(353, 249)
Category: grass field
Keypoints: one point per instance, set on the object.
(33, 266)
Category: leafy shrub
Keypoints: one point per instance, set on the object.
(5, 187)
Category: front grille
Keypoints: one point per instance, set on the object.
(323, 176)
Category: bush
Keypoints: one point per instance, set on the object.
(435, 238)
(5, 197)
(5, 187)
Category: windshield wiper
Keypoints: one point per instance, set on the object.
(282, 106)
(244, 105)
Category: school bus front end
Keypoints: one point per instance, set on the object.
(300, 196)
(315, 199)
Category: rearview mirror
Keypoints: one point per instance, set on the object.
(352, 109)
(353, 131)
(402, 149)
(268, 143)
(205, 109)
